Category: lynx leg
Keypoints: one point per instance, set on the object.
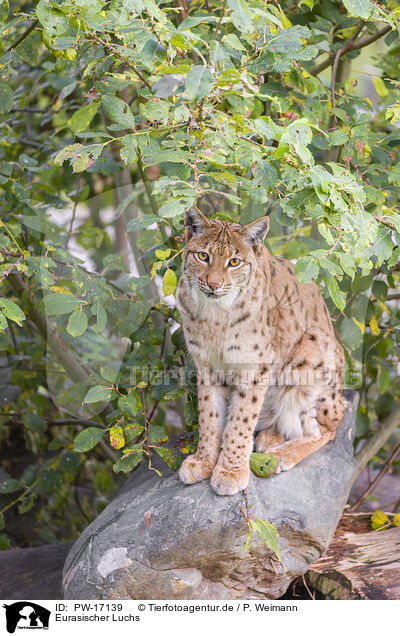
(266, 440)
(232, 471)
(292, 452)
(331, 408)
(211, 401)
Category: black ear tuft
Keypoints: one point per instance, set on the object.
(256, 231)
(195, 223)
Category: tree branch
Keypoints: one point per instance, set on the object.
(21, 37)
(350, 46)
(377, 479)
(378, 439)
(152, 201)
(114, 49)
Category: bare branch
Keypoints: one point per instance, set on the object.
(350, 46)
(378, 439)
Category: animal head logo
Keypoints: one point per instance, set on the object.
(26, 615)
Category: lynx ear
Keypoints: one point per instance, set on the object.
(195, 223)
(256, 231)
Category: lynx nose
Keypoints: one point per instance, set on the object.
(213, 285)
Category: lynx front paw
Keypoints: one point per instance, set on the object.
(229, 482)
(266, 441)
(194, 469)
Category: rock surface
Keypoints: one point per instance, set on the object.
(33, 573)
(160, 539)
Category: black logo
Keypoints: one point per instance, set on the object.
(26, 615)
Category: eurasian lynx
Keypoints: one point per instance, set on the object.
(263, 344)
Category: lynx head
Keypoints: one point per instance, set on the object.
(220, 257)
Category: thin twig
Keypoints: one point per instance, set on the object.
(111, 47)
(312, 596)
(10, 269)
(69, 233)
(336, 59)
(378, 439)
(377, 479)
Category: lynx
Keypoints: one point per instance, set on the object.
(265, 351)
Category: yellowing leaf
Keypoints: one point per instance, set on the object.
(163, 254)
(169, 282)
(60, 290)
(380, 86)
(117, 439)
(360, 324)
(384, 306)
(374, 327)
(396, 520)
(378, 519)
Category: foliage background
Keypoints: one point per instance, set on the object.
(117, 116)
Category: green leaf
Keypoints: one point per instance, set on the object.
(247, 544)
(350, 333)
(6, 98)
(77, 323)
(98, 393)
(267, 533)
(50, 481)
(87, 439)
(157, 433)
(5, 543)
(359, 8)
(8, 486)
(54, 21)
(81, 119)
(306, 269)
(338, 297)
(118, 111)
(263, 465)
(241, 15)
(3, 322)
(171, 208)
(128, 149)
(128, 461)
(198, 82)
(12, 311)
(169, 282)
(338, 137)
(383, 379)
(101, 318)
(4, 10)
(308, 3)
(233, 41)
(115, 262)
(265, 174)
(129, 404)
(141, 222)
(109, 374)
(170, 456)
(57, 304)
(34, 423)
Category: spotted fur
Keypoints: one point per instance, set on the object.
(265, 351)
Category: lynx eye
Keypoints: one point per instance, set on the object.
(234, 262)
(203, 256)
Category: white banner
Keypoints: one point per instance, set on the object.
(128, 617)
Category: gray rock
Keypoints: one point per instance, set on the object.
(160, 539)
(33, 573)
